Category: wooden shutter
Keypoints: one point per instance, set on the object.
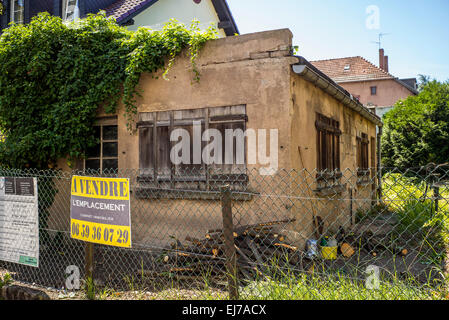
(229, 118)
(155, 146)
(146, 145)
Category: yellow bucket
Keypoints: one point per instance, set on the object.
(329, 253)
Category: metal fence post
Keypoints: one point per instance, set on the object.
(436, 196)
(230, 252)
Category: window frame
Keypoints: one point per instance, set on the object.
(328, 144)
(362, 159)
(207, 176)
(373, 90)
(104, 122)
(12, 12)
(64, 5)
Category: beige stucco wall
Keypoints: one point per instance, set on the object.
(184, 11)
(253, 70)
(307, 100)
(388, 92)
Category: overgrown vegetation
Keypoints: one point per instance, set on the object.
(416, 131)
(5, 280)
(55, 75)
(411, 200)
(339, 287)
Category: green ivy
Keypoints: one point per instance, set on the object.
(55, 75)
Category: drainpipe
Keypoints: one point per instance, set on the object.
(379, 165)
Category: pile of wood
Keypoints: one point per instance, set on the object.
(256, 248)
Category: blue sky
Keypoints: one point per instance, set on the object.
(417, 43)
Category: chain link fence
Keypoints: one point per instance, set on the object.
(293, 235)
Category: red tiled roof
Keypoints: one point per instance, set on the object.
(351, 69)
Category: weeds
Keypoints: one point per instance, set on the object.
(90, 289)
(5, 280)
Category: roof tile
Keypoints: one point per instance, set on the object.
(359, 69)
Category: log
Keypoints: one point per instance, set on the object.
(241, 230)
(217, 237)
(181, 270)
(283, 245)
(256, 253)
(347, 250)
(206, 244)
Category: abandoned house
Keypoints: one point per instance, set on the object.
(251, 81)
(130, 13)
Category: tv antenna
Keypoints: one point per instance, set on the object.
(379, 43)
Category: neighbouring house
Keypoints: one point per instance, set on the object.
(254, 82)
(131, 13)
(372, 85)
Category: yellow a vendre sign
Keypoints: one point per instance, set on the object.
(100, 211)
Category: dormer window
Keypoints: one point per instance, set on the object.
(347, 67)
(17, 11)
(70, 10)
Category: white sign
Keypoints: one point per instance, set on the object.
(19, 221)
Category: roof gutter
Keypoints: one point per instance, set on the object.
(313, 75)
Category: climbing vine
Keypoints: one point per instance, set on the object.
(54, 76)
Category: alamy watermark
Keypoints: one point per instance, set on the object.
(231, 150)
(372, 281)
(72, 282)
(372, 22)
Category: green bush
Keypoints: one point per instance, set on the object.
(416, 130)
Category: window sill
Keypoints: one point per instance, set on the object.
(328, 176)
(331, 190)
(142, 192)
(216, 178)
(364, 182)
(363, 172)
(363, 178)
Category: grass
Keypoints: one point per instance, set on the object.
(411, 201)
(397, 190)
(306, 287)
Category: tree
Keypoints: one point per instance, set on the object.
(416, 131)
(422, 81)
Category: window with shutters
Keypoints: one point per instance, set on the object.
(362, 153)
(328, 151)
(103, 157)
(17, 11)
(363, 168)
(155, 147)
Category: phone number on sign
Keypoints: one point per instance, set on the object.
(102, 234)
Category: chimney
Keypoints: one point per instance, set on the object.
(386, 63)
(381, 58)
